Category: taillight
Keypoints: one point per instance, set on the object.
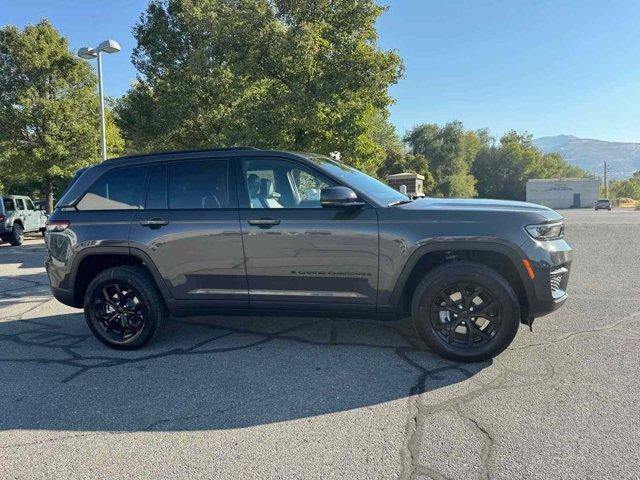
(3, 217)
(57, 225)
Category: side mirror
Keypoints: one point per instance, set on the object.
(339, 197)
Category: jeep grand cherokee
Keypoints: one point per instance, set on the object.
(244, 231)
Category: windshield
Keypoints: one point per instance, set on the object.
(362, 182)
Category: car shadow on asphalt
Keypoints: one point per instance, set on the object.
(210, 373)
(27, 256)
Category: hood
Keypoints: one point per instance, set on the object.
(481, 204)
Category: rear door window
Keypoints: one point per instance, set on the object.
(117, 189)
(20, 204)
(201, 185)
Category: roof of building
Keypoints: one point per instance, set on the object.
(579, 179)
(407, 175)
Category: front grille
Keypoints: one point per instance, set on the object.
(556, 278)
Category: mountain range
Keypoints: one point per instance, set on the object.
(623, 158)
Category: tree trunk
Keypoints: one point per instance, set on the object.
(48, 187)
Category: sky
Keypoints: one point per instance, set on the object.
(547, 67)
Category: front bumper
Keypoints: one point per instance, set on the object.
(551, 262)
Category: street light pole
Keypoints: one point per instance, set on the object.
(88, 53)
(103, 131)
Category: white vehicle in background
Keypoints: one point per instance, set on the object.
(18, 215)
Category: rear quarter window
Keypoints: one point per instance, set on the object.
(7, 204)
(117, 189)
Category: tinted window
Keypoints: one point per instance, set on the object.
(30, 205)
(202, 184)
(8, 205)
(116, 190)
(157, 193)
(275, 183)
(20, 204)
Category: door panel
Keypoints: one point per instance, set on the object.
(312, 256)
(198, 253)
(33, 217)
(193, 237)
(298, 253)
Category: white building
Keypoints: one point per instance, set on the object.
(563, 192)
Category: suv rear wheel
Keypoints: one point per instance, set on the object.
(17, 235)
(124, 308)
(466, 311)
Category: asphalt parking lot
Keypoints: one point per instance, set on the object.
(286, 398)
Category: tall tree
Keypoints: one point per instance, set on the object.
(48, 109)
(450, 151)
(268, 73)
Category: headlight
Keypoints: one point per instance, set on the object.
(546, 231)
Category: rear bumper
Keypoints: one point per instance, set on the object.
(64, 296)
(56, 280)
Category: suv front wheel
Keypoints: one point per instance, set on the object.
(124, 308)
(466, 311)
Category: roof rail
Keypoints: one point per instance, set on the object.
(182, 151)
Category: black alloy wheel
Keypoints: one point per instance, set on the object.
(124, 308)
(465, 315)
(119, 312)
(465, 311)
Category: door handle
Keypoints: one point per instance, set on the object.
(154, 223)
(264, 222)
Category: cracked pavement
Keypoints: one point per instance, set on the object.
(258, 397)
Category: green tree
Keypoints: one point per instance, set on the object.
(629, 188)
(269, 73)
(48, 110)
(449, 151)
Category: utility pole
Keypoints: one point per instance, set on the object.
(606, 189)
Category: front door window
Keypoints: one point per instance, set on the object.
(276, 183)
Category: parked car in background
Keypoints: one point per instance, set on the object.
(18, 215)
(603, 204)
(251, 231)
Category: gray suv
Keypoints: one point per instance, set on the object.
(242, 231)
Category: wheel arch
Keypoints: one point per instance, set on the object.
(91, 262)
(502, 256)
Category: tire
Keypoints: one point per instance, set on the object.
(487, 334)
(17, 235)
(103, 301)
